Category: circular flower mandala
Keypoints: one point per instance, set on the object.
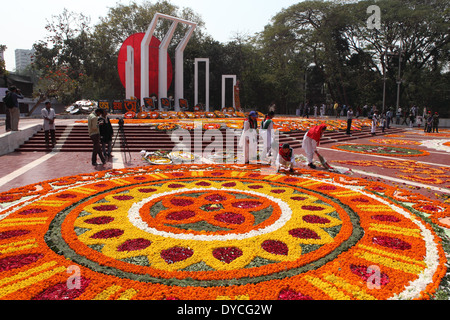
(200, 232)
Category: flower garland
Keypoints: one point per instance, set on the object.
(205, 232)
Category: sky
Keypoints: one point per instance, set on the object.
(223, 19)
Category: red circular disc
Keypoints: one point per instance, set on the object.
(135, 41)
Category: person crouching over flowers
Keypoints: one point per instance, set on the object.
(311, 141)
(285, 157)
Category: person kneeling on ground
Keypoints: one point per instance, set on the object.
(311, 141)
(285, 157)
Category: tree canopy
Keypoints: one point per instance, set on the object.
(313, 51)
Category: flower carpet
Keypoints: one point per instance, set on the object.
(381, 150)
(283, 124)
(408, 169)
(212, 232)
(395, 142)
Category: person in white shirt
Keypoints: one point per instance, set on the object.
(267, 135)
(49, 115)
(248, 141)
(349, 121)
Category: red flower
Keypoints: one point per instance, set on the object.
(181, 215)
(134, 245)
(176, 254)
(247, 204)
(229, 184)
(215, 198)
(13, 234)
(19, 261)
(287, 294)
(227, 255)
(32, 211)
(62, 292)
(123, 198)
(100, 220)
(106, 208)
(392, 243)
(275, 247)
(230, 217)
(179, 202)
(304, 234)
(315, 219)
(386, 218)
(362, 272)
(107, 234)
(312, 208)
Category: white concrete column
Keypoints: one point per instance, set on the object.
(224, 77)
(179, 66)
(162, 68)
(162, 79)
(197, 60)
(129, 73)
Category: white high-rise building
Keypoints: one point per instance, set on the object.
(23, 58)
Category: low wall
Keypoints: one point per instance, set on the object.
(10, 141)
(444, 123)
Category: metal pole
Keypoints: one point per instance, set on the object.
(306, 84)
(399, 81)
(384, 81)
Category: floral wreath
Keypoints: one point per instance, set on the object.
(129, 115)
(211, 126)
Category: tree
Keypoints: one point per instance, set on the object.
(327, 43)
(60, 60)
(2, 62)
(353, 58)
(55, 84)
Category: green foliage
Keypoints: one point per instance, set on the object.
(326, 43)
(2, 62)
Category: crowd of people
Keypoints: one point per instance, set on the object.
(281, 155)
(12, 110)
(311, 140)
(412, 116)
(101, 131)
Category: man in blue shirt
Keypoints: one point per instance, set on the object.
(15, 111)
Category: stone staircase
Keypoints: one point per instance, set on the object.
(75, 138)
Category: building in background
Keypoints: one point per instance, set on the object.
(23, 58)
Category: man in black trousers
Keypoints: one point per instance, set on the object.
(94, 134)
